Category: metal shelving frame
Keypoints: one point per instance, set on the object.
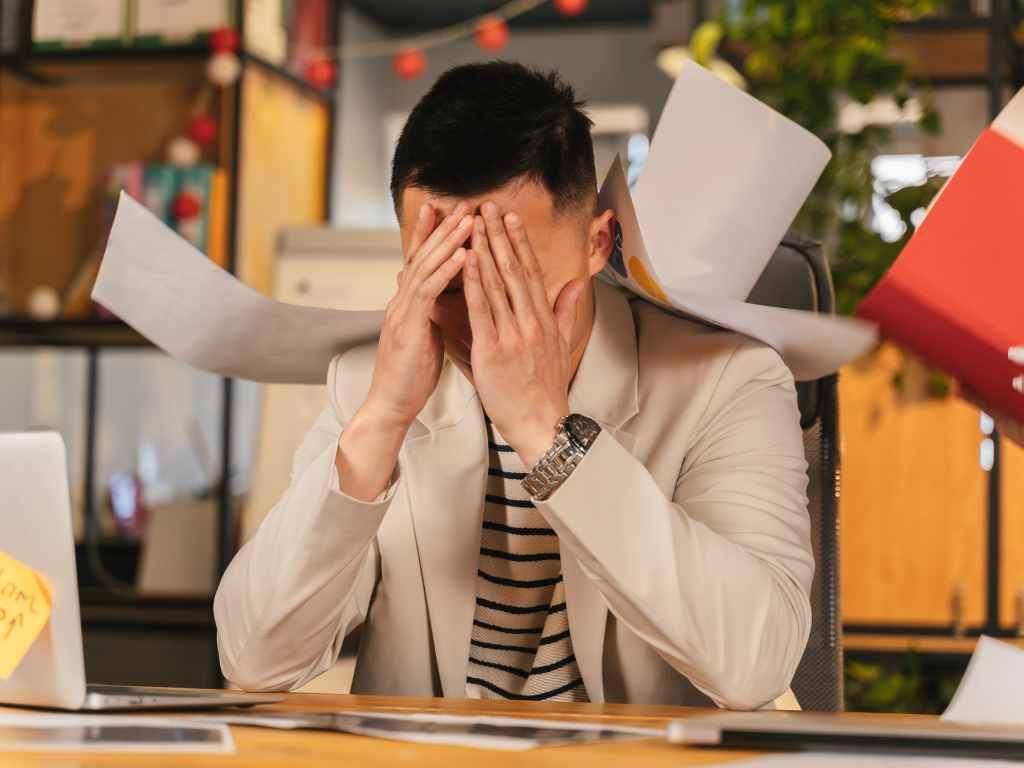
(96, 335)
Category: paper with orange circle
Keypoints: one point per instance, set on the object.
(24, 611)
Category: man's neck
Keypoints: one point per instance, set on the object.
(581, 331)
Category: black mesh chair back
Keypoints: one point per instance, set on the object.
(798, 277)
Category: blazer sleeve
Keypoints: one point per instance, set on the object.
(716, 579)
(304, 580)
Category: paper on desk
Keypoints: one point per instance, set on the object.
(833, 760)
(59, 732)
(992, 689)
(482, 732)
(24, 611)
(176, 297)
(812, 345)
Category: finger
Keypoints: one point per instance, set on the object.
(426, 294)
(491, 281)
(440, 232)
(506, 261)
(566, 308)
(399, 278)
(423, 268)
(481, 319)
(531, 271)
(420, 231)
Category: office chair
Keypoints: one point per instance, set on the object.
(797, 277)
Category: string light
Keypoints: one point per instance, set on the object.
(436, 37)
(492, 34)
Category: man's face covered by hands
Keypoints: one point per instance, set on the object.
(567, 247)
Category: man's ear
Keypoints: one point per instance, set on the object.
(600, 239)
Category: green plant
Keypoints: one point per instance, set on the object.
(909, 685)
(802, 57)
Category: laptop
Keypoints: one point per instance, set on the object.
(36, 530)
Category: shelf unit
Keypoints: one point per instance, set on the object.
(168, 79)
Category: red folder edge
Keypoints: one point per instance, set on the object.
(917, 312)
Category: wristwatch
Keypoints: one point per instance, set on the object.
(576, 433)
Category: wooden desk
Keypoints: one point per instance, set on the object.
(267, 748)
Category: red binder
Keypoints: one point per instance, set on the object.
(955, 295)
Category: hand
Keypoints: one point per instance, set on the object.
(520, 355)
(409, 356)
(1007, 425)
(410, 353)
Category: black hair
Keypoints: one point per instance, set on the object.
(482, 126)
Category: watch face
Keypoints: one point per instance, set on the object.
(582, 430)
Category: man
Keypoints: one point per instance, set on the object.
(533, 486)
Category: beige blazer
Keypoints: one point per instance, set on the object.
(684, 531)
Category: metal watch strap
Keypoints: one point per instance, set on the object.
(557, 463)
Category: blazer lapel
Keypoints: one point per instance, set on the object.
(447, 473)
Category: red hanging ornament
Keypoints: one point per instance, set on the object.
(410, 62)
(321, 72)
(224, 40)
(492, 34)
(571, 7)
(202, 129)
(186, 206)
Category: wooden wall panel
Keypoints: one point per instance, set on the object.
(283, 177)
(913, 502)
(55, 144)
(1012, 533)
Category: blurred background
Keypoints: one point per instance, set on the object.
(262, 130)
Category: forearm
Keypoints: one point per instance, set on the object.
(367, 453)
(722, 608)
(300, 583)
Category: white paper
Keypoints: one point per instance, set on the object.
(812, 345)
(992, 689)
(195, 311)
(59, 732)
(723, 179)
(833, 760)
(508, 734)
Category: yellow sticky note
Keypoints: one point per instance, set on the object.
(24, 611)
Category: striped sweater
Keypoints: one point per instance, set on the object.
(521, 647)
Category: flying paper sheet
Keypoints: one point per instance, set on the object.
(723, 179)
(24, 611)
(176, 297)
(812, 345)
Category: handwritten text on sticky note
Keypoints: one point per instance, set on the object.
(24, 611)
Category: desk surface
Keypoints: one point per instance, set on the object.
(267, 748)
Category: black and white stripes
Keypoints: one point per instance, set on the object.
(521, 647)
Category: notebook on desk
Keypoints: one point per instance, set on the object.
(36, 538)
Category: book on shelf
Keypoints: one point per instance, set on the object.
(61, 24)
(157, 186)
(953, 294)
